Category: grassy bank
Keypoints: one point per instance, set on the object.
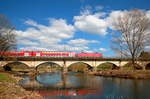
(6, 77)
(9, 89)
(133, 74)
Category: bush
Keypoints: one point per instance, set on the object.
(130, 66)
(7, 68)
(5, 77)
(107, 66)
(79, 67)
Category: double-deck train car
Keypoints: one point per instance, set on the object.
(89, 55)
(51, 54)
(58, 54)
(39, 53)
(12, 53)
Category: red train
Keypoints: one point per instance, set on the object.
(51, 54)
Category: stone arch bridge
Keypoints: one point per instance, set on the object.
(65, 62)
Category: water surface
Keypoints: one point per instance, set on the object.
(55, 85)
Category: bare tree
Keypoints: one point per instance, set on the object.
(7, 35)
(132, 33)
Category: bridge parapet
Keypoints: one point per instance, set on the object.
(47, 58)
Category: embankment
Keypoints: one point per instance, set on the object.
(133, 74)
(10, 90)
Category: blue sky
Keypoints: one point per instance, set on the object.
(74, 25)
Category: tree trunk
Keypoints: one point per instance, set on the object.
(133, 62)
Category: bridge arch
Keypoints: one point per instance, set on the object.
(49, 65)
(16, 65)
(116, 63)
(107, 66)
(90, 63)
(80, 67)
(128, 65)
(147, 66)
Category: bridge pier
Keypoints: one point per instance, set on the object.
(144, 68)
(95, 66)
(65, 69)
(95, 69)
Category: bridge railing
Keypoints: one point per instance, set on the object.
(32, 58)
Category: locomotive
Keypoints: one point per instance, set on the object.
(51, 54)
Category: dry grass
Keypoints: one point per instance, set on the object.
(135, 74)
(6, 77)
(9, 89)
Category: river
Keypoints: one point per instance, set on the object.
(55, 85)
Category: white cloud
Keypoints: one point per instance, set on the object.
(35, 48)
(79, 42)
(50, 36)
(88, 51)
(57, 47)
(148, 14)
(103, 49)
(28, 42)
(42, 37)
(73, 47)
(86, 10)
(80, 45)
(99, 22)
(45, 36)
(147, 47)
(31, 22)
(113, 17)
(91, 23)
(99, 7)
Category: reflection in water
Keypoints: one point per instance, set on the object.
(55, 85)
(49, 78)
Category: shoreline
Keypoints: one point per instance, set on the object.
(130, 74)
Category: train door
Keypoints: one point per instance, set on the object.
(26, 54)
(71, 54)
(38, 54)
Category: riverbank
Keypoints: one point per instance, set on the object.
(132, 74)
(10, 90)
